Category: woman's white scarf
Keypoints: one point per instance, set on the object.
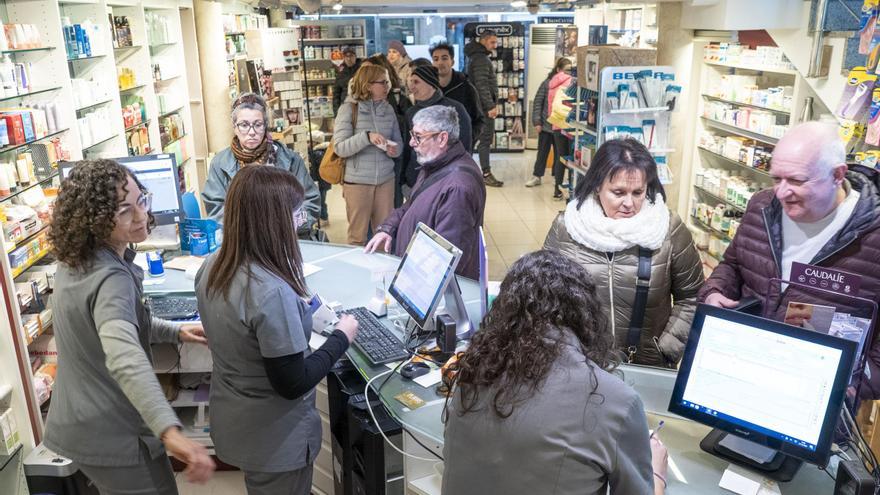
(590, 227)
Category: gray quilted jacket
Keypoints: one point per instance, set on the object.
(676, 278)
(364, 162)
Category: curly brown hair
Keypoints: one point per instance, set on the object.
(517, 344)
(85, 211)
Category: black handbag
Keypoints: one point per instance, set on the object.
(637, 319)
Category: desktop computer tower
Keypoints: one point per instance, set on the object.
(363, 463)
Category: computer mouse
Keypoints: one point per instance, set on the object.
(414, 370)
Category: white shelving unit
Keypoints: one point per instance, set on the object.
(52, 74)
(736, 148)
(320, 41)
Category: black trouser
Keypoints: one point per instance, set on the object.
(561, 147)
(545, 142)
(485, 145)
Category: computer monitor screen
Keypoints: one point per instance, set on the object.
(158, 174)
(423, 274)
(773, 384)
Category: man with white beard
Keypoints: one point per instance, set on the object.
(449, 195)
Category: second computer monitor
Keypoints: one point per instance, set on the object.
(158, 174)
(423, 274)
(774, 384)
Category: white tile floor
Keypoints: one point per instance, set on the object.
(516, 221)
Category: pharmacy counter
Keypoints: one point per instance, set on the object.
(349, 276)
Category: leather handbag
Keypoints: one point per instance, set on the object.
(332, 168)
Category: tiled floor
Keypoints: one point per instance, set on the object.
(517, 220)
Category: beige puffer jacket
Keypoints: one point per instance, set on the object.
(676, 277)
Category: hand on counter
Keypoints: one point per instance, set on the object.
(659, 461)
(718, 300)
(193, 333)
(380, 239)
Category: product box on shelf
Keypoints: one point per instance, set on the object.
(14, 128)
(9, 437)
(591, 59)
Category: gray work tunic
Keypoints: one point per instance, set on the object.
(91, 419)
(582, 432)
(252, 426)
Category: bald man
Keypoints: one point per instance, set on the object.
(819, 213)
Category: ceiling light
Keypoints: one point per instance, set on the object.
(337, 6)
(518, 4)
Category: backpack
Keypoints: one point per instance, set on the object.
(332, 168)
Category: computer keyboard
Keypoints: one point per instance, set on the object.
(375, 340)
(174, 307)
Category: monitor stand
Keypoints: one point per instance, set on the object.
(767, 462)
(456, 309)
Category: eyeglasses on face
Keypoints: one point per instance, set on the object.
(245, 127)
(125, 214)
(419, 138)
(386, 82)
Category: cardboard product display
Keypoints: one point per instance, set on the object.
(591, 59)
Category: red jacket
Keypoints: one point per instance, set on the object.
(755, 256)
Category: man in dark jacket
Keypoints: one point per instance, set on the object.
(481, 72)
(350, 65)
(425, 90)
(448, 197)
(817, 213)
(455, 85)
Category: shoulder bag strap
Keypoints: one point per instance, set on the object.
(637, 319)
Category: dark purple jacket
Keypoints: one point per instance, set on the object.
(453, 207)
(754, 257)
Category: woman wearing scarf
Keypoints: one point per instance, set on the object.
(252, 144)
(618, 211)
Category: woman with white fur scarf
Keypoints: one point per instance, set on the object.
(619, 207)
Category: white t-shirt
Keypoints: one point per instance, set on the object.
(802, 241)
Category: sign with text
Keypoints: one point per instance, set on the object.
(826, 278)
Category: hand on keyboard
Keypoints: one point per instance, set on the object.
(349, 326)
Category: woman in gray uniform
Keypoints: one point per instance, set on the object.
(251, 300)
(535, 408)
(108, 412)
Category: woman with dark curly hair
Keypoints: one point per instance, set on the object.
(535, 408)
(105, 381)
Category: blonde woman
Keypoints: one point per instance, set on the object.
(367, 135)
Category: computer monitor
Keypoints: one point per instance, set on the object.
(157, 173)
(425, 273)
(775, 385)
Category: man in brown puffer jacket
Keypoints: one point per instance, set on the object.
(818, 213)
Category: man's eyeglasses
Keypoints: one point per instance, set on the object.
(245, 127)
(125, 214)
(383, 83)
(419, 138)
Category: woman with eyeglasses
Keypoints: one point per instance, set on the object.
(108, 411)
(367, 135)
(252, 299)
(252, 144)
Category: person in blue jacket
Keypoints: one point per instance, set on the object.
(253, 145)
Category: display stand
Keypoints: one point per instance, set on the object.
(510, 62)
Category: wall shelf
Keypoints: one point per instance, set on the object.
(773, 70)
(95, 145)
(724, 126)
(28, 50)
(32, 92)
(93, 105)
(133, 88)
(7, 149)
(719, 199)
(41, 183)
(734, 162)
(780, 111)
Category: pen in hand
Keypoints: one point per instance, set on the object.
(656, 430)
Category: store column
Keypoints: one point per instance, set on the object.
(215, 82)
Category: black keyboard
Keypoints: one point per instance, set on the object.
(174, 307)
(375, 340)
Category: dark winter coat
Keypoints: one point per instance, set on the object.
(541, 107)
(453, 207)
(340, 86)
(410, 166)
(755, 256)
(461, 90)
(481, 73)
